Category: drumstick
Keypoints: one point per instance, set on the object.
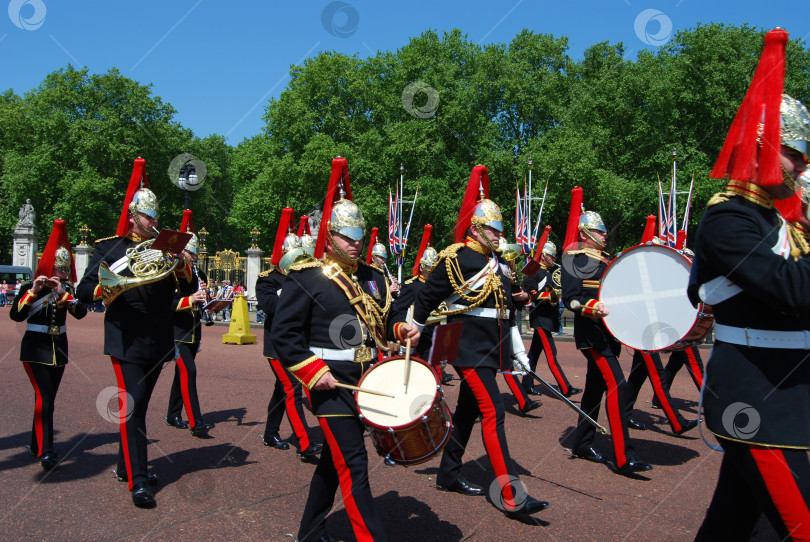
(408, 351)
(364, 390)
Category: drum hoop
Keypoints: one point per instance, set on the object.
(624, 253)
(411, 423)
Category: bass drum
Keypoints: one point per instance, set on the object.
(644, 289)
(414, 425)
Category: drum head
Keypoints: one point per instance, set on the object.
(410, 401)
(645, 291)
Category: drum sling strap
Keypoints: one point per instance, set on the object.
(358, 300)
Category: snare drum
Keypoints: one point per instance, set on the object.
(644, 289)
(415, 425)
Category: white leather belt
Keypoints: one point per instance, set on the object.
(762, 338)
(44, 329)
(481, 312)
(350, 354)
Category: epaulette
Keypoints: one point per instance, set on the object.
(411, 280)
(305, 265)
(371, 265)
(593, 253)
(798, 240)
(97, 241)
(266, 273)
(449, 251)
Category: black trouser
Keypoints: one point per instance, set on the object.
(648, 364)
(543, 341)
(755, 480)
(604, 374)
(184, 385)
(45, 380)
(478, 395)
(135, 385)
(694, 364)
(344, 464)
(287, 397)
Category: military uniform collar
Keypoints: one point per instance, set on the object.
(751, 192)
(476, 246)
(136, 237)
(349, 269)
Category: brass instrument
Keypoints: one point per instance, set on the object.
(556, 278)
(147, 266)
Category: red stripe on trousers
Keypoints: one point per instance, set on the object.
(652, 372)
(184, 393)
(693, 363)
(516, 390)
(122, 415)
(289, 401)
(613, 408)
(552, 363)
(783, 490)
(489, 432)
(37, 408)
(361, 532)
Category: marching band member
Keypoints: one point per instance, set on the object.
(545, 319)
(187, 336)
(377, 255)
(756, 396)
(476, 285)
(138, 330)
(582, 270)
(44, 304)
(330, 320)
(287, 394)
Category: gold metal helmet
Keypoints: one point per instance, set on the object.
(379, 250)
(307, 241)
(144, 201)
(429, 258)
(192, 244)
(550, 249)
(795, 121)
(347, 220)
(487, 213)
(589, 221)
(61, 260)
(291, 242)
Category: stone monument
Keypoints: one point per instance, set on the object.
(25, 238)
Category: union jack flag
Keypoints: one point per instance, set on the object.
(397, 236)
(522, 227)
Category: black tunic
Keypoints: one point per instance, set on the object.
(138, 325)
(545, 314)
(39, 347)
(485, 342)
(268, 286)
(735, 239)
(399, 312)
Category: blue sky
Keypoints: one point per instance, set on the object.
(218, 63)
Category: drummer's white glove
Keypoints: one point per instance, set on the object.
(520, 361)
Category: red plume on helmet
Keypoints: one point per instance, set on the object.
(138, 175)
(57, 239)
(285, 226)
(340, 172)
(753, 144)
(372, 240)
(422, 247)
(574, 211)
(187, 224)
(533, 265)
(477, 189)
(303, 227)
(649, 229)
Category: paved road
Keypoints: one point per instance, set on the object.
(232, 487)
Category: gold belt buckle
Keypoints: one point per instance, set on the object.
(503, 314)
(362, 354)
(53, 330)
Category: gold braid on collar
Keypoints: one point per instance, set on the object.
(750, 191)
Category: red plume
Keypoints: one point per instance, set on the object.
(57, 239)
(285, 225)
(573, 218)
(187, 225)
(791, 208)
(134, 184)
(477, 185)
(371, 241)
(649, 229)
(422, 247)
(743, 157)
(534, 264)
(340, 170)
(303, 227)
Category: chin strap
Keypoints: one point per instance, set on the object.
(487, 242)
(592, 237)
(149, 232)
(339, 254)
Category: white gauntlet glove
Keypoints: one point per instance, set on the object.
(520, 361)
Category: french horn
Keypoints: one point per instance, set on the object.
(146, 265)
